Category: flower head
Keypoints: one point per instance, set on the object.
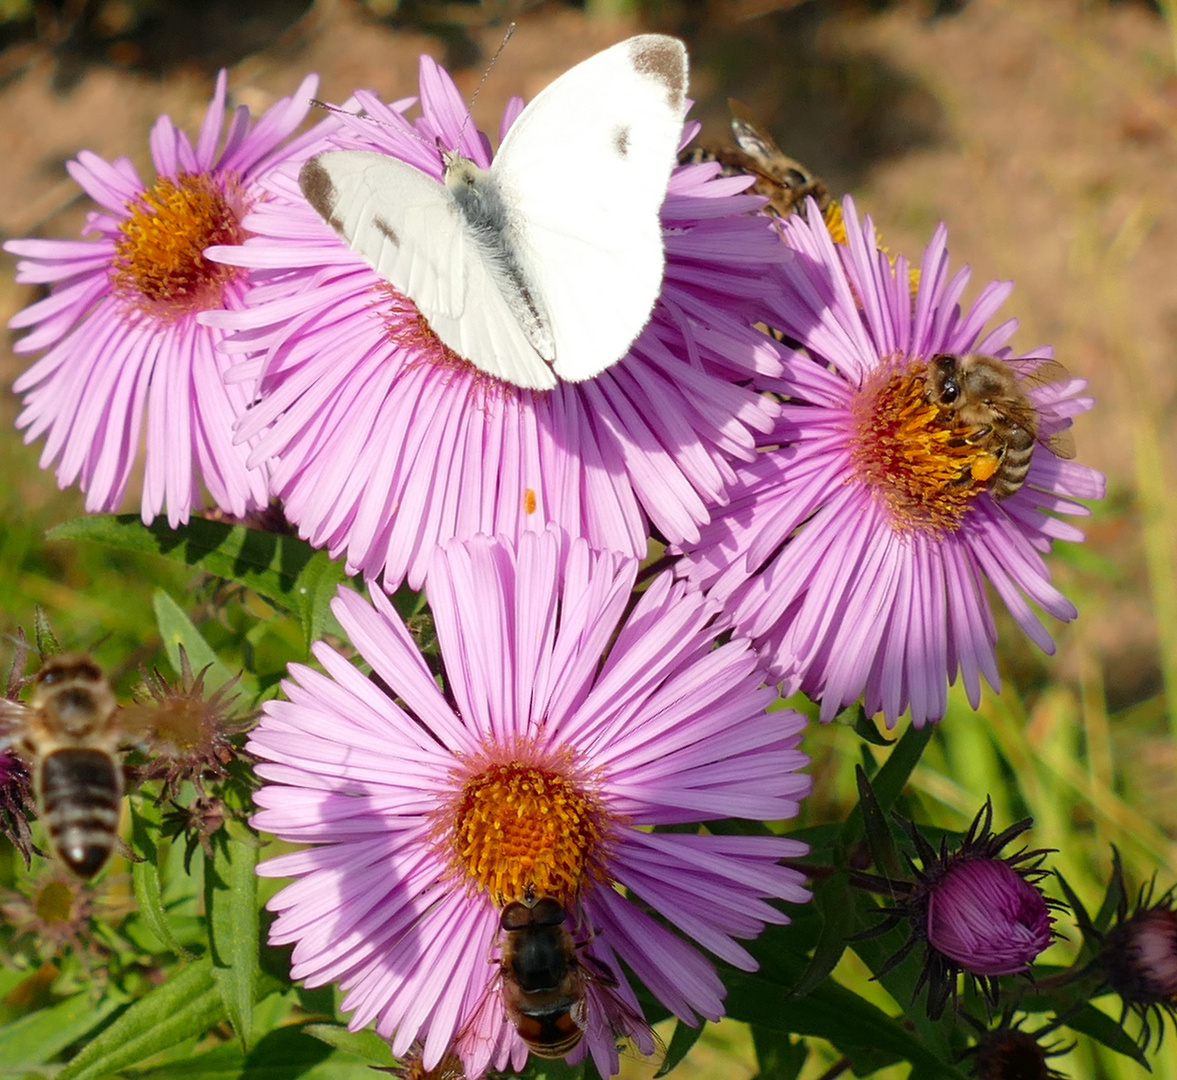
(1138, 957)
(972, 909)
(191, 732)
(16, 799)
(987, 918)
(119, 329)
(385, 443)
(53, 912)
(517, 796)
(1006, 1052)
(858, 548)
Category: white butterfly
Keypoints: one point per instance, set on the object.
(551, 260)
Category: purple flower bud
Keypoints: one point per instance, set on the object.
(987, 918)
(1140, 956)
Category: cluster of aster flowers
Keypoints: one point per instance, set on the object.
(829, 528)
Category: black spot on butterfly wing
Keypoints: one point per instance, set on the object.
(315, 184)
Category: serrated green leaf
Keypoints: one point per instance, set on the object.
(284, 569)
(40, 1036)
(175, 630)
(231, 900)
(364, 1044)
(685, 1036)
(145, 881)
(187, 1005)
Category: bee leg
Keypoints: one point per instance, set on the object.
(978, 435)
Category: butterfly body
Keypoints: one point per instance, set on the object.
(549, 262)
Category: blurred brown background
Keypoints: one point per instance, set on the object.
(1044, 132)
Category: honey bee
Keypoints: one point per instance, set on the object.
(779, 178)
(987, 396)
(783, 181)
(70, 731)
(544, 983)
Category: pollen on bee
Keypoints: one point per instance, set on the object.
(159, 265)
(520, 828)
(912, 455)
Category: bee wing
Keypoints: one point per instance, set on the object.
(750, 134)
(1060, 443)
(1036, 372)
(612, 1005)
(486, 1036)
(136, 723)
(13, 716)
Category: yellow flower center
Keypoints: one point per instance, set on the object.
(522, 829)
(912, 454)
(159, 264)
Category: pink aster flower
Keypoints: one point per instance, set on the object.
(858, 552)
(119, 329)
(385, 443)
(560, 738)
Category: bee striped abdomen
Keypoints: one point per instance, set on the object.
(81, 794)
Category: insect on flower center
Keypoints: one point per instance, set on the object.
(159, 264)
(912, 454)
(522, 829)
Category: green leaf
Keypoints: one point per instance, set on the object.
(1115, 899)
(884, 853)
(1103, 1029)
(860, 1030)
(187, 1005)
(36, 1038)
(176, 629)
(230, 893)
(365, 1044)
(864, 727)
(145, 880)
(836, 902)
(685, 1036)
(284, 569)
(778, 1056)
(897, 769)
(888, 782)
(284, 1054)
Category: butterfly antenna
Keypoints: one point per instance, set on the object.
(489, 68)
(326, 106)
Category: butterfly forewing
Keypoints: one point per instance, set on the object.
(405, 225)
